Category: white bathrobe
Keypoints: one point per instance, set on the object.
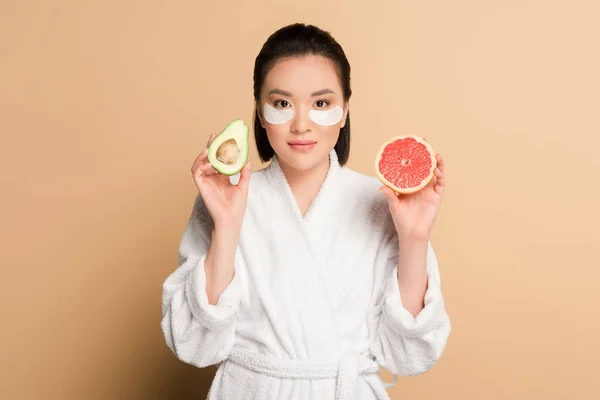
(314, 308)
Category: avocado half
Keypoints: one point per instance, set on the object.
(228, 152)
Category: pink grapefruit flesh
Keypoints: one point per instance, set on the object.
(405, 164)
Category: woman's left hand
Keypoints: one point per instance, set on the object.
(414, 214)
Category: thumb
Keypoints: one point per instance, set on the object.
(244, 177)
(389, 194)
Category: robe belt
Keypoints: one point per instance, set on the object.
(346, 370)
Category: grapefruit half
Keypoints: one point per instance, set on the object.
(405, 164)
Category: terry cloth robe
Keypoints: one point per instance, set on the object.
(314, 308)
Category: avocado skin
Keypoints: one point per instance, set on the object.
(238, 131)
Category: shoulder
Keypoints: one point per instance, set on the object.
(263, 194)
(363, 192)
(259, 183)
(359, 180)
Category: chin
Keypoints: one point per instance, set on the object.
(303, 161)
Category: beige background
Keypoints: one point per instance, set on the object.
(105, 104)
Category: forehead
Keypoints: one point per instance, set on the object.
(302, 75)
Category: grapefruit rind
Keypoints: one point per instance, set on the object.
(423, 183)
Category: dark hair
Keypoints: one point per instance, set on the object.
(300, 40)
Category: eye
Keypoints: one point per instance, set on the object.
(281, 103)
(322, 103)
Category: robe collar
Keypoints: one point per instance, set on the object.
(323, 201)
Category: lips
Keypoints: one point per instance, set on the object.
(302, 145)
(301, 142)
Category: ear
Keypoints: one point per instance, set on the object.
(344, 117)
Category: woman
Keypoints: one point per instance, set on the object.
(302, 278)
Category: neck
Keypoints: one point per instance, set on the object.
(305, 184)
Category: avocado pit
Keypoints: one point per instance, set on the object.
(228, 152)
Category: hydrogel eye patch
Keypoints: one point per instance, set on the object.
(322, 117)
(327, 117)
(277, 116)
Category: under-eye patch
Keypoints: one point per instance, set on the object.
(326, 117)
(277, 116)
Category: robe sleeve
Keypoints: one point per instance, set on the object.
(403, 344)
(197, 332)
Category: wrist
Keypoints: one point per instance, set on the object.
(227, 234)
(413, 237)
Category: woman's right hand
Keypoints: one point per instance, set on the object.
(225, 201)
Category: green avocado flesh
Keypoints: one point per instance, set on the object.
(228, 152)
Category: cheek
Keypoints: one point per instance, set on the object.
(276, 133)
(331, 133)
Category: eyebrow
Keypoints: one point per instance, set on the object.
(314, 94)
(322, 92)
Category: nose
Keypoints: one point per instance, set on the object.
(300, 123)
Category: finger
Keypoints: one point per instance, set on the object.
(439, 184)
(199, 175)
(210, 139)
(198, 178)
(439, 174)
(199, 160)
(204, 154)
(244, 177)
(439, 188)
(440, 162)
(389, 194)
(208, 170)
(441, 181)
(203, 188)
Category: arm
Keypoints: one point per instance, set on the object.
(412, 273)
(219, 264)
(200, 331)
(403, 343)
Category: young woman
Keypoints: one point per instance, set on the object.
(303, 279)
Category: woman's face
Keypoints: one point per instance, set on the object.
(292, 88)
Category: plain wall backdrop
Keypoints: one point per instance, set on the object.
(105, 104)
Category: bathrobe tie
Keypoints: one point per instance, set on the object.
(346, 370)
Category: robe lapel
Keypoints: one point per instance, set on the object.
(318, 212)
(311, 226)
